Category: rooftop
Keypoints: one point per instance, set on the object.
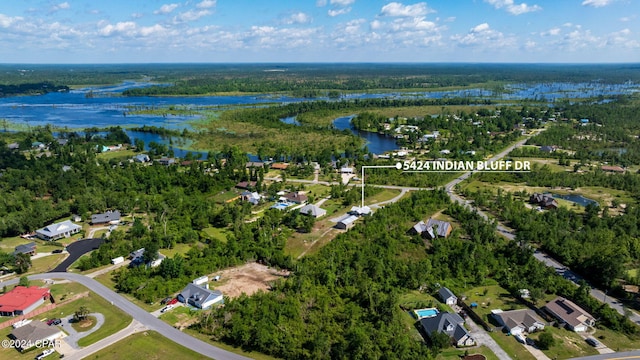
(21, 298)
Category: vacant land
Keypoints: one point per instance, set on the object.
(247, 279)
(146, 345)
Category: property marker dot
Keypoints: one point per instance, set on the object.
(398, 165)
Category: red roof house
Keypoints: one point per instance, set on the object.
(22, 300)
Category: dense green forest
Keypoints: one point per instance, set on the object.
(343, 302)
(31, 89)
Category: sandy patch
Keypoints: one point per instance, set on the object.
(248, 279)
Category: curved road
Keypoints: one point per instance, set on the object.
(77, 249)
(151, 322)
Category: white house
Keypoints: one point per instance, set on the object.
(447, 296)
(60, 230)
(200, 297)
(518, 321)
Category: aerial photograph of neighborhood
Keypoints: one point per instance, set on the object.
(320, 179)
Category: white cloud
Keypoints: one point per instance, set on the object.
(137, 15)
(337, 12)
(62, 6)
(166, 9)
(298, 18)
(341, 2)
(597, 3)
(398, 9)
(121, 28)
(551, 32)
(628, 18)
(512, 8)
(269, 37)
(321, 3)
(7, 21)
(190, 15)
(484, 36)
(206, 4)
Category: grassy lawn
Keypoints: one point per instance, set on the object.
(179, 315)
(252, 355)
(492, 297)
(121, 154)
(567, 344)
(215, 233)
(146, 345)
(616, 340)
(85, 325)
(224, 196)
(9, 244)
(456, 354)
(46, 263)
(384, 195)
(178, 249)
(511, 346)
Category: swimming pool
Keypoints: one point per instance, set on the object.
(425, 313)
(279, 206)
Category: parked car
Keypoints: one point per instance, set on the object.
(57, 251)
(593, 342)
(166, 308)
(530, 341)
(44, 354)
(173, 301)
(54, 321)
(165, 300)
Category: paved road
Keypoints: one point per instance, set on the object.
(77, 249)
(148, 320)
(619, 355)
(73, 335)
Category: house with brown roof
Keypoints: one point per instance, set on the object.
(280, 166)
(518, 321)
(246, 185)
(545, 201)
(575, 318)
(615, 169)
(296, 197)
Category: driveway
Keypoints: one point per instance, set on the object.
(77, 249)
(73, 336)
(483, 338)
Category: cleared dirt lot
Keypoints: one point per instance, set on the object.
(248, 279)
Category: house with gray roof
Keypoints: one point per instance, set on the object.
(199, 296)
(432, 228)
(447, 296)
(518, 321)
(29, 249)
(450, 324)
(347, 222)
(575, 317)
(63, 229)
(35, 332)
(110, 217)
(313, 210)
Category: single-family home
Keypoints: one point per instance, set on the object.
(615, 169)
(518, 321)
(548, 148)
(166, 161)
(360, 211)
(136, 254)
(254, 164)
(141, 158)
(252, 197)
(29, 249)
(346, 170)
(38, 145)
(246, 185)
(575, 318)
(296, 197)
(62, 142)
(450, 324)
(22, 300)
(347, 222)
(35, 332)
(200, 296)
(545, 201)
(109, 217)
(447, 296)
(60, 230)
(313, 210)
(432, 228)
(280, 166)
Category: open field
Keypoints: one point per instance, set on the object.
(456, 354)
(120, 155)
(492, 297)
(252, 355)
(616, 340)
(148, 345)
(246, 279)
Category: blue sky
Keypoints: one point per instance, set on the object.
(150, 31)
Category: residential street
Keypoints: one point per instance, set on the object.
(149, 321)
(483, 338)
